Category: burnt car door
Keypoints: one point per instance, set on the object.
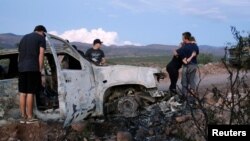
(75, 81)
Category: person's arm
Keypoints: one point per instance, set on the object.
(175, 52)
(41, 53)
(184, 60)
(181, 54)
(103, 61)
(41, 58)
(193, 42)
(191, 57)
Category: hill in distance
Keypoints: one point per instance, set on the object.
(10, 40)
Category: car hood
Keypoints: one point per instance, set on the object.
(124, 74)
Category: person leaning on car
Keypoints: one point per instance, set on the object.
(30, 63)
(95, 54)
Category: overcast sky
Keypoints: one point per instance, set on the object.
(138, 22)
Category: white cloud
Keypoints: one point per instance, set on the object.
(87, 36)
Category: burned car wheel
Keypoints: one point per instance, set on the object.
(123, 101)
(128, 106)
(128, 101)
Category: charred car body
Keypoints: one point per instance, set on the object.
(75, 89)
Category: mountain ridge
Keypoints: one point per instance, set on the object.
(10, 40)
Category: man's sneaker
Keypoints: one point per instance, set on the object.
(31, 120)
(23, 120)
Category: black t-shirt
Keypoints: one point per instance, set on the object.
(95, 55)
(187, 50)
(176, 62)
(29, 49)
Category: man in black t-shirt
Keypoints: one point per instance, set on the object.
(95, 54)
(30, 63)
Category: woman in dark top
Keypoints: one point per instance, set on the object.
(173, 70)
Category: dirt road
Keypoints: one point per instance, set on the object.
(206, 80)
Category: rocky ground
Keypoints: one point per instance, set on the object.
(152, 124)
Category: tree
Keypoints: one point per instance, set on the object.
(233, 101)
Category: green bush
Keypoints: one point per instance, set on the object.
(205, 58)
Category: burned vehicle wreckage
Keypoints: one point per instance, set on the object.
(75, 89)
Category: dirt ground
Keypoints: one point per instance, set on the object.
(12, 130)
(32, 132)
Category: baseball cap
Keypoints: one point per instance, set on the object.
(97, 41)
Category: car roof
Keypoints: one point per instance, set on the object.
(8, 51)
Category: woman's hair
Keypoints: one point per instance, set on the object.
(192, 39)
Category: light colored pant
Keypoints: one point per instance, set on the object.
(188, 78)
